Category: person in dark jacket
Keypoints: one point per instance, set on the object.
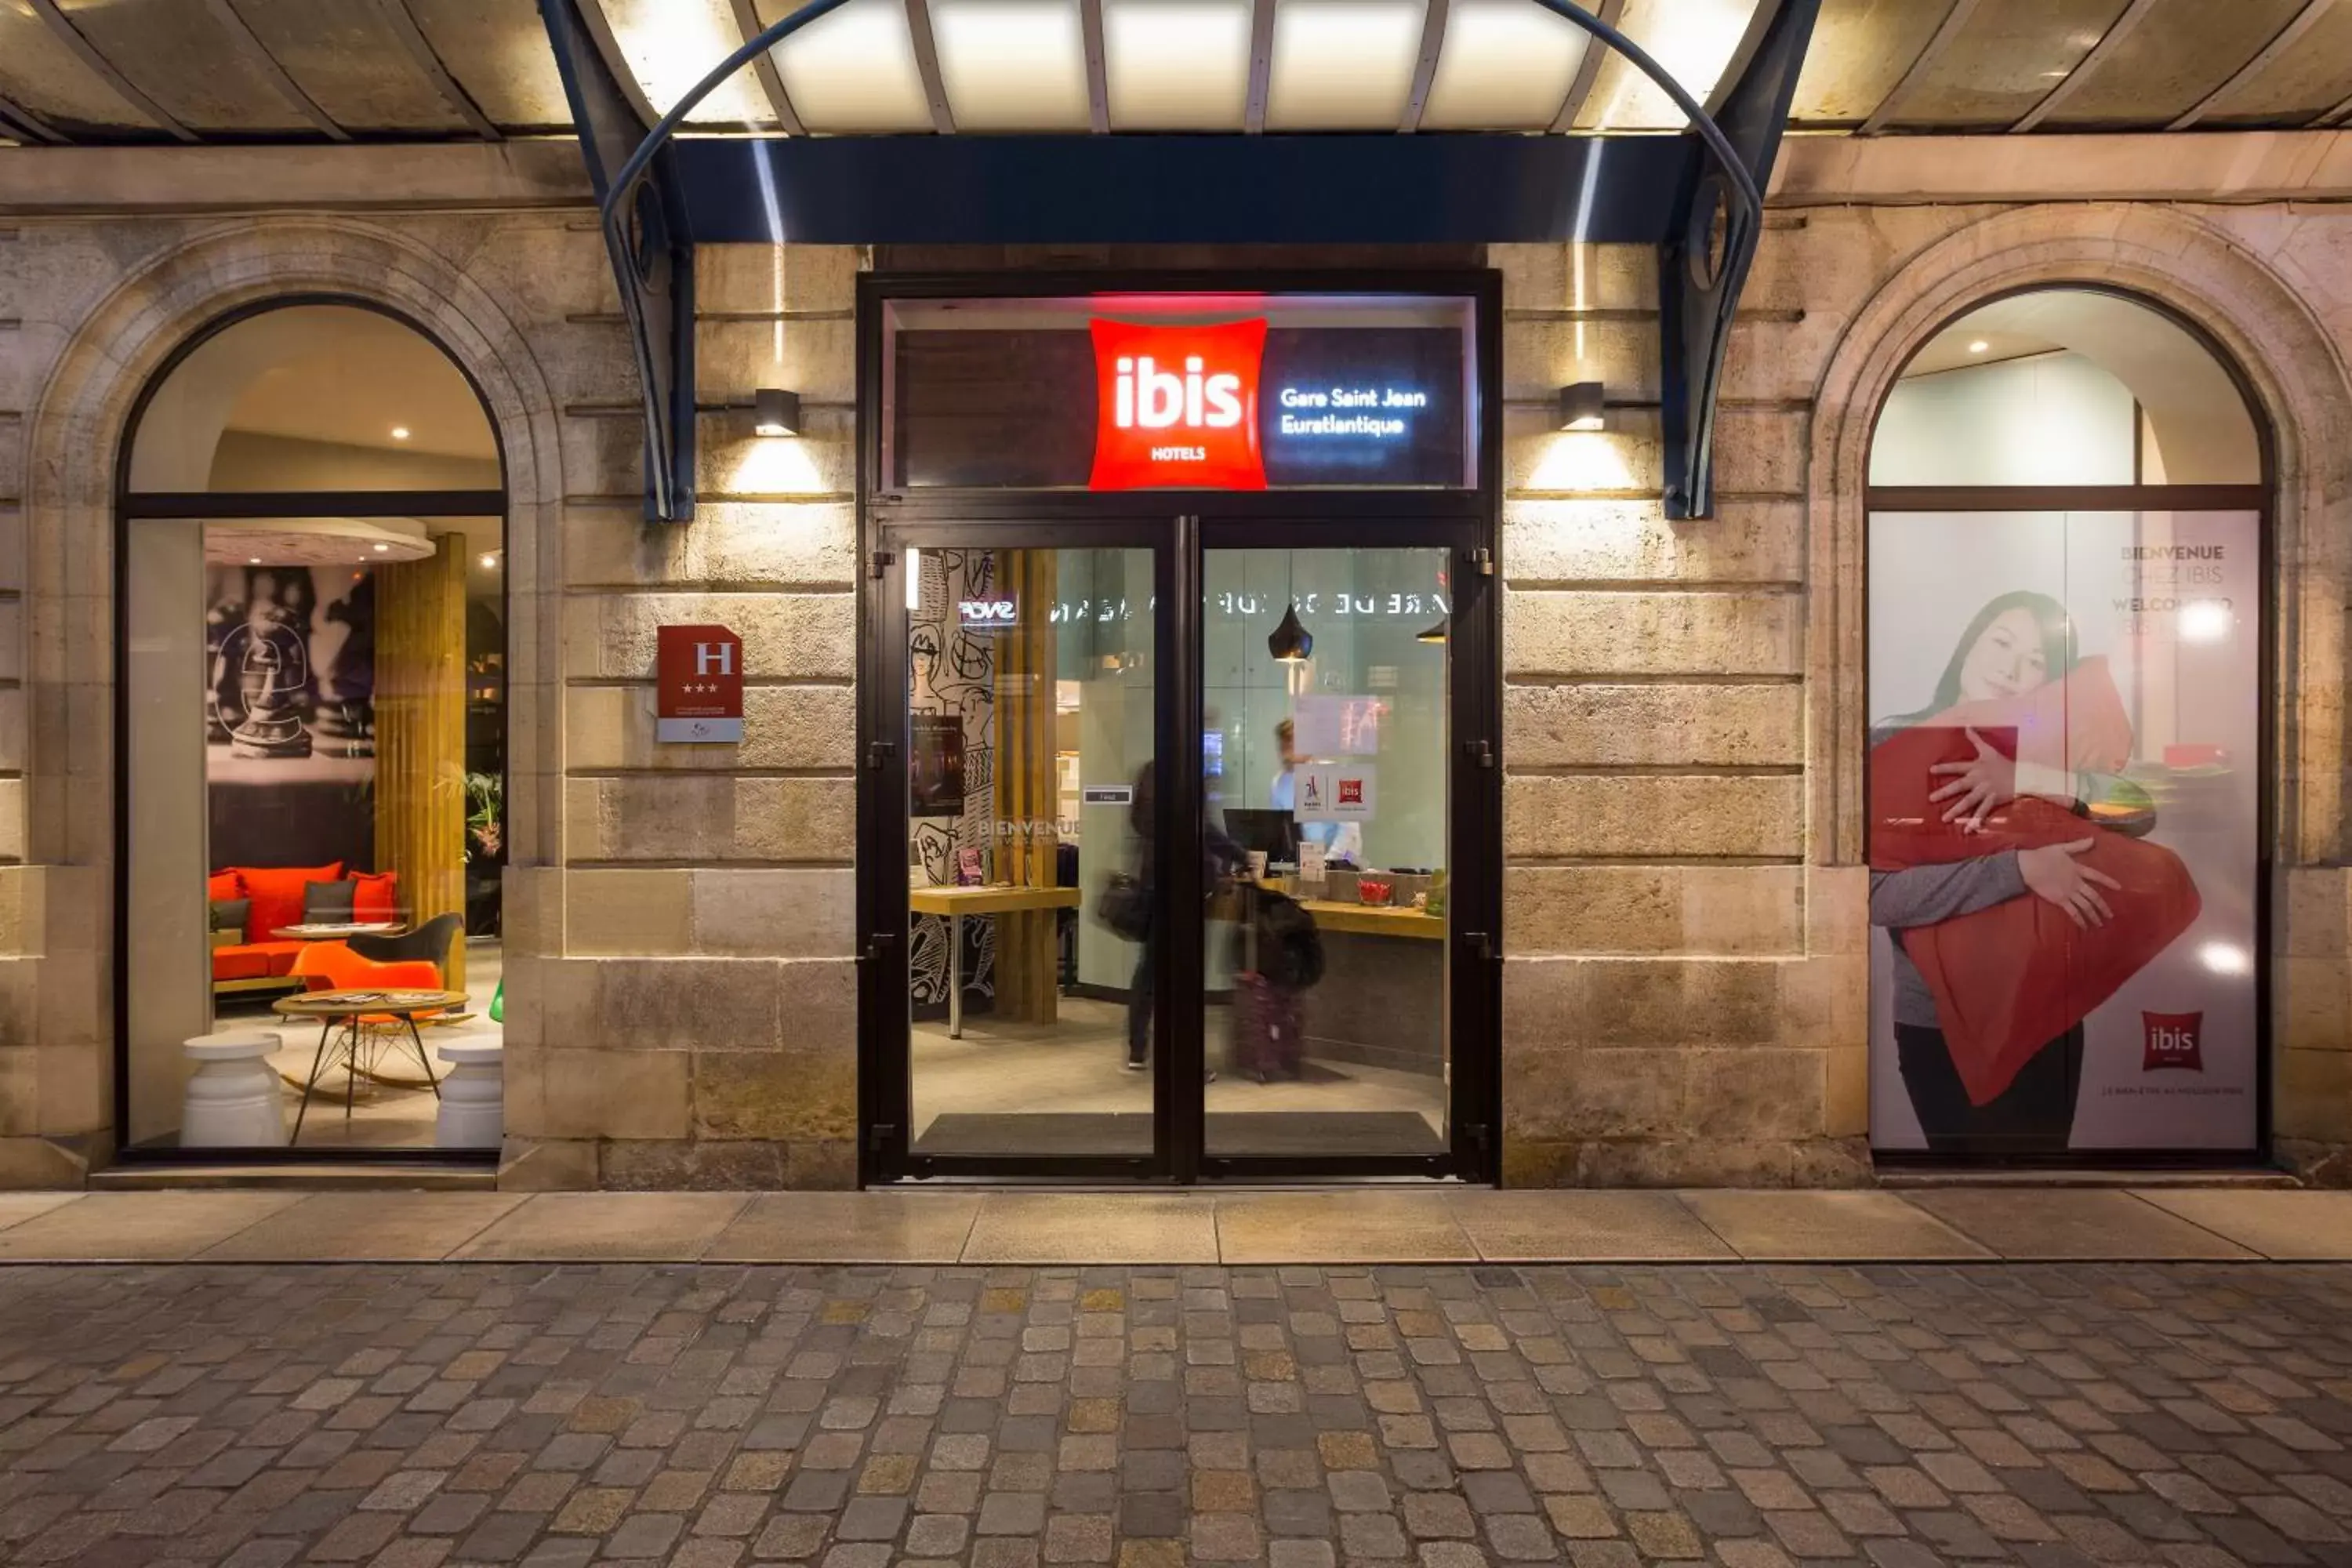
(1220, 858)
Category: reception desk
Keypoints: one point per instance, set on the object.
(1381, 999)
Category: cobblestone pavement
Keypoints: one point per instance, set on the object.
(1297, 1417)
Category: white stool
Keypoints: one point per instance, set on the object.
(473, 1112)
(235, 1099)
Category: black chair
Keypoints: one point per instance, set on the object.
(429, 941)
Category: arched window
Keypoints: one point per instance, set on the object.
(312, 760)
(2066, 570)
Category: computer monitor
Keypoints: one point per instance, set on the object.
(1274, 832)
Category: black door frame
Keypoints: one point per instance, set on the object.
(1178, 525)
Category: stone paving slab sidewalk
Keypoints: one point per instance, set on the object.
(1472, 1416)
(1376, 1225)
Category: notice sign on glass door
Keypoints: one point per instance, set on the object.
(699, 675)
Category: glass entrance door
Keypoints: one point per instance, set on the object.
(1171, 850)
(1325, 683)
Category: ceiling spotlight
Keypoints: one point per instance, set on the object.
(400, 432)
(491, 562)
(775, 412)
(253, 560)
(1290, 643)
(1978, 346)
(1581, 407)
(1435, 633)
(383, 549)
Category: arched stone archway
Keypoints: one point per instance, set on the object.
(75, 433)
(2297, 378)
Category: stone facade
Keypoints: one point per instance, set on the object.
(1686, 910)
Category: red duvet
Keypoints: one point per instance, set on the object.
(2010, 979)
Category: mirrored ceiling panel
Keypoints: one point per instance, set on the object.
(1012, 64)
(1343, 65)
(1860, 50)
(1506, 65)
(498, 51)
(852, 69)
(178, 54)
(2176, 56)
(1692, 40)
(2003, 61)
(41, 76)
(345, 56)
(672, 44)
(1177, 65)
(2309, 78)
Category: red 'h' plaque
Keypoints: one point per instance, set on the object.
(698, 672)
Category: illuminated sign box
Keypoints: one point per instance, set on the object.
(1180, 392)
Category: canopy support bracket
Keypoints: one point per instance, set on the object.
(651, 247)
(1704, 260)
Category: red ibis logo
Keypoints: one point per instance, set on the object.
(2172, 1040)
(1177, 406)
(1351, 792)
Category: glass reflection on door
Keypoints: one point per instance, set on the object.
(1324, 682)
(1030, 730)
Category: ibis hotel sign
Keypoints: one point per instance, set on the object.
(1178, 392)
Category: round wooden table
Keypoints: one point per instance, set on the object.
(336, 931)
(362, 1017)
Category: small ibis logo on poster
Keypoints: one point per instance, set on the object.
(2172, 1040)
(1351, 792)
(1177, 406)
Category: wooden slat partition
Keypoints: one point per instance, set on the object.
(1025, 785)
(420, 735)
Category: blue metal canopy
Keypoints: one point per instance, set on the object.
(1696, 197)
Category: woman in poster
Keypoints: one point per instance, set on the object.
(2012, 654)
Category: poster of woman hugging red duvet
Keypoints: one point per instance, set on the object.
(2063, 840)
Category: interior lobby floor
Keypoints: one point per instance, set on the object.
(1364, 1224)
(1016, 1087)
(392, 1108)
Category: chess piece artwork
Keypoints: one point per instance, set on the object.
(273, 677)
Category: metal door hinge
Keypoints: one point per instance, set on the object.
(879, 1136)
(1480, 752)
(877, 945)
(878, 563)
(1482, 558)
(1481, 945)
(1478, 1135)
(878, 752)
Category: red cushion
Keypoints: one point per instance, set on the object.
(240, 963)
(376, 896)
(276, 895)
(224, 886)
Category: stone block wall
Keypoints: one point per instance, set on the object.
(1678, 1006)
(692, 1020)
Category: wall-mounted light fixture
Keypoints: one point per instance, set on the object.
(1581, 407)
(1290, 643)
(775, 412)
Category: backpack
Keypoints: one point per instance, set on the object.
(1289, 948)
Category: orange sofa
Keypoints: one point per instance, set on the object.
(255, 958)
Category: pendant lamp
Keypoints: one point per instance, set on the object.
(1290, 643)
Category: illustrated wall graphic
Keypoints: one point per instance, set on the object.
(951, 678)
